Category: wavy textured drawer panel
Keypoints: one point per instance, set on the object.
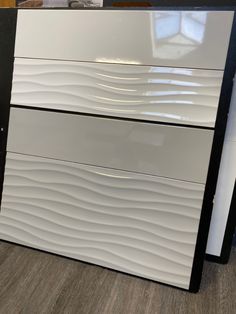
(176, 95)
(139, 224)
(174, 152)
(162, 38)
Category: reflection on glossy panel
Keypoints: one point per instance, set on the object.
(138, 224)
(193, 39)
(174, 152)
(177, 95)
(177, 34)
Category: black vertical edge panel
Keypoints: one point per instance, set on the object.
(217, 146)
(7, 43)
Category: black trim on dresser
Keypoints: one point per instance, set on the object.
(229, 232)
(8, 19)
(213, 171)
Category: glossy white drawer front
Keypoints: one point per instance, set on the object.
(192, 39)
(175, 152)
(177, 95)
(138, 224)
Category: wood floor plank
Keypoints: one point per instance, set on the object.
(34, 282)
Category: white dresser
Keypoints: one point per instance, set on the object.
(110, 136)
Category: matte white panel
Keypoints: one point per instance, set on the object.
(225, 184)
(176, 152)
(193, 39)
(138, 224)
(176, 95)
(223, 196)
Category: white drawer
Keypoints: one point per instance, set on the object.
(183, 96)
(138, 224)
(168, 151)
(192, 39)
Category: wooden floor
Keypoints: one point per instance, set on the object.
(34, 282)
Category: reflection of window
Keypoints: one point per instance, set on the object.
(163, 27)
(176, 34)
(193, 26)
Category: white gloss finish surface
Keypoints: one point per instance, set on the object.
(192, 39)
(175, 152)
(225, 184)
(139, 224)
(183, 96)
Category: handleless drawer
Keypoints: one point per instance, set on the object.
(140, 224)
(174, 95)
(160, 38)
(168, 151)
